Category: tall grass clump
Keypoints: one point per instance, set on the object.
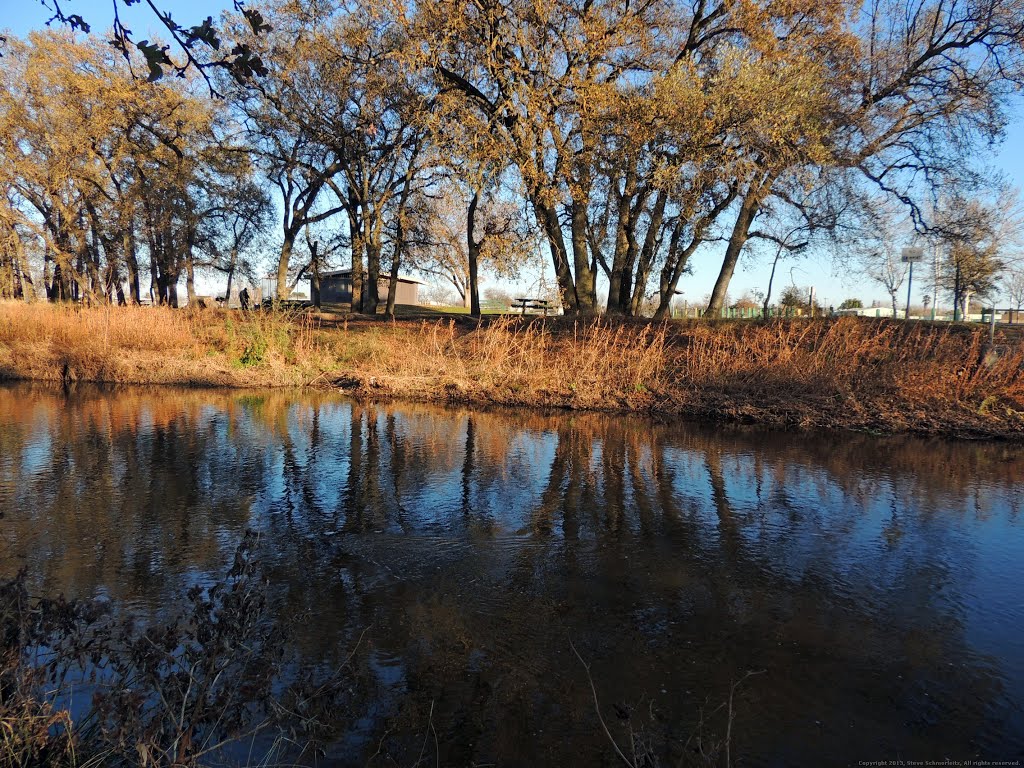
(66, 342)
(69, 326)
(869, 372)
(584, 364)
(873, 374)
(918, 360)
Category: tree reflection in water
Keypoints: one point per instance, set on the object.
(874, 579)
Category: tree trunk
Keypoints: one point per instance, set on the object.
(281, 292)
(389, 309)
(647, 254)
(17, 288)
(156, 295)
(957, 294)
(190, 280)
(473, 248)
(20, 275)
(358, 281)
(616, 276)
(6, 277)
(371, 284)
(131, 263)
(76, 288)
(92, 258)
(231, 277)
(163, 296)
(586, 288)
(47, 272)
(396, 261)
(675, 266)
(738, 238)
(771, 279)
(29, 293)
(548, 218)
(62, 284)
(355, 238)
(17, 276)
(371, 240)
(61, 287)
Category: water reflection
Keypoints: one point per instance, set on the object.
(875, 580)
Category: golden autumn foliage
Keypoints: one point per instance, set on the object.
(102, 170)
(626, 135)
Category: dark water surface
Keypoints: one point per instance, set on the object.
(876, 581)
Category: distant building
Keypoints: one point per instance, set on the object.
(336, 288)
(870, 312)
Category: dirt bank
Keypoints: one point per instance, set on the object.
(848, 373)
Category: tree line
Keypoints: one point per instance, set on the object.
(617, 138)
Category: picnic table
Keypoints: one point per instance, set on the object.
(524, 303)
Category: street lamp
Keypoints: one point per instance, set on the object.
(909, 256)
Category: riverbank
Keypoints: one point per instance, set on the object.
(848, 373)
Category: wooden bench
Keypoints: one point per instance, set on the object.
(525, 303)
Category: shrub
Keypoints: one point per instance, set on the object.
(171, 694)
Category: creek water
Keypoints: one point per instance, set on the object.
(874, 583)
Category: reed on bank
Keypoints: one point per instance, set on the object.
(847, 372)
(156, 345)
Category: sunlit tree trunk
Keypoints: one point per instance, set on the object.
(190, 281)
(548, 218)
(647, 254)
(355, 236)
(396, 261)
(586, 287)
(371, 240)
(737, 239)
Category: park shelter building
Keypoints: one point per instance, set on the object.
(336, 288)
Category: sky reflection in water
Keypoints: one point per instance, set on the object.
(876, 581)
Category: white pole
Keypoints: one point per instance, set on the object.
(910, 282)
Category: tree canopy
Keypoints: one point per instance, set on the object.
(615, 138)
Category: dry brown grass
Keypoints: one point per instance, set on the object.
(851, 372)
(582, 365)
(854, 372)
(144, 345)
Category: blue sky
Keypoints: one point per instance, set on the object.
(832, 283)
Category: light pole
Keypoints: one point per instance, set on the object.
(909, 256)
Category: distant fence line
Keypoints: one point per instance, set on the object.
(743, 313)
(1003, 316)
